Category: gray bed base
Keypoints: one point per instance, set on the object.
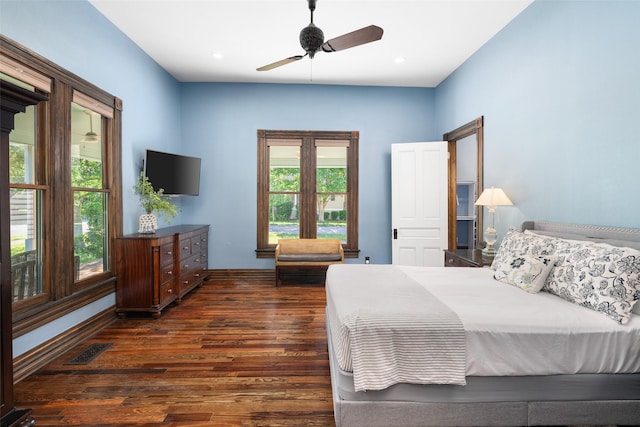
(521, 401)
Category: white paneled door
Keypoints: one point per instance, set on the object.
(419, 203)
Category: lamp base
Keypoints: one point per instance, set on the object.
(488, 253)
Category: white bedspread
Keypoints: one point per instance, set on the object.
(510, 332)
(415, 339)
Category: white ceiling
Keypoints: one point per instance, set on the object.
(434, 37)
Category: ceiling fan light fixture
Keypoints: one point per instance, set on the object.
(90, 137)
(311, 39)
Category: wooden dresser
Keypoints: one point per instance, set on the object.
(157, 269)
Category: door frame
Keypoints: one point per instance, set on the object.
(473, 127)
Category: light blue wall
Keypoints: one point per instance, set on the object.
(217, 122)
(559, 89)
(74, 35)
(220, 123)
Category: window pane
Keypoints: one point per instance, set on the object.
(90, 243)
(331, 186)
(331, 169)
(86, 148)
(284, 168)
(333, 223)
(284, 220)
(26, 243)
(22, 146)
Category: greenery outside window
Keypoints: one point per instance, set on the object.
(90, 190)
(307, 188)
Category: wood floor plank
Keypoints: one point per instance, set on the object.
(231, 354)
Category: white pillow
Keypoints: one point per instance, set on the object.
(526, 271)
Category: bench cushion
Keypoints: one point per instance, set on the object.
(309, 246)
(310, 257)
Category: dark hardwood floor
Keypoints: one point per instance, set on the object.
(233, 353)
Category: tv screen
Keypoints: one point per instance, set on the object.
(175, 174)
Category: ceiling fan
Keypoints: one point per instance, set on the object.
(312, 41)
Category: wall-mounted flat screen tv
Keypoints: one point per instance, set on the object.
(177, 175)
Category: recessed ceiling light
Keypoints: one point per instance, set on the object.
(399, 60)
(217, 55)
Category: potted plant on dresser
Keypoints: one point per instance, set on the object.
(153, 202)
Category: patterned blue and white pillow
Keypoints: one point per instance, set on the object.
(526, 271)
(516, 242)
(598, 276)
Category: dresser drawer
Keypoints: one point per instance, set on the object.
(166, 273)
(190, 264)
(456, 262)
(463, 258)
(196, 244)
(187, 280)
(199, 261)
(185, 247)
(166, 254)
(167, 293)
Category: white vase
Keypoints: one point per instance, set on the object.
(147, 224)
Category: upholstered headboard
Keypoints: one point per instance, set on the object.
(628, 237)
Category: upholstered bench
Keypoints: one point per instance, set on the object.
(304, 257)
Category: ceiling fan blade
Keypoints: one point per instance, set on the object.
(354, 38)
(280, 63)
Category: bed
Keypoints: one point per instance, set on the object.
(550, 346)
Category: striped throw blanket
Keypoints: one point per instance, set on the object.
(392, 329)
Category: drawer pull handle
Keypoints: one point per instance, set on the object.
(169, 253)
(169, 273)
(185, 247)
(196, 244)
(197, 274)
(450, 260)
(169, 291)
(186, 266)
(186, 282)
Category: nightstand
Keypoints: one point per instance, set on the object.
(464, 258)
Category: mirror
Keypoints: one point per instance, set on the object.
(465, 145)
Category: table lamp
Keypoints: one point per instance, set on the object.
(491, 197)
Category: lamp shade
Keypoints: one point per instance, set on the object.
(493, 197)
